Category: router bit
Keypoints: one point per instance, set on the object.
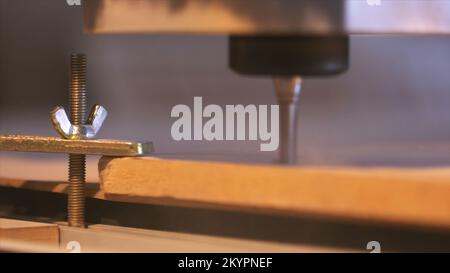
(284, 58)
(288, 91)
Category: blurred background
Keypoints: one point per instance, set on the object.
(392, 108)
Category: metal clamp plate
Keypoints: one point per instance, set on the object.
(20, 143)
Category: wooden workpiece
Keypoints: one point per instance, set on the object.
(25, 235)
(409, 196)
(418, 197)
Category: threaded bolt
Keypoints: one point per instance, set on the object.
(77, 162)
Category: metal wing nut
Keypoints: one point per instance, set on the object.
(67, 130)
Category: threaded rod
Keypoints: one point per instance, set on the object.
(77, 162)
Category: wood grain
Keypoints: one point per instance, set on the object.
(403, 196)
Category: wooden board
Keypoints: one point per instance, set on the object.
(20, 234)
(419, 197)
(103, 238)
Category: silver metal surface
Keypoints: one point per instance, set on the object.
(68, 130)
(288, 91)
(96, 118)
(67, 146)
(268, 16)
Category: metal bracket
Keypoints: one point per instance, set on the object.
(104, 147)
